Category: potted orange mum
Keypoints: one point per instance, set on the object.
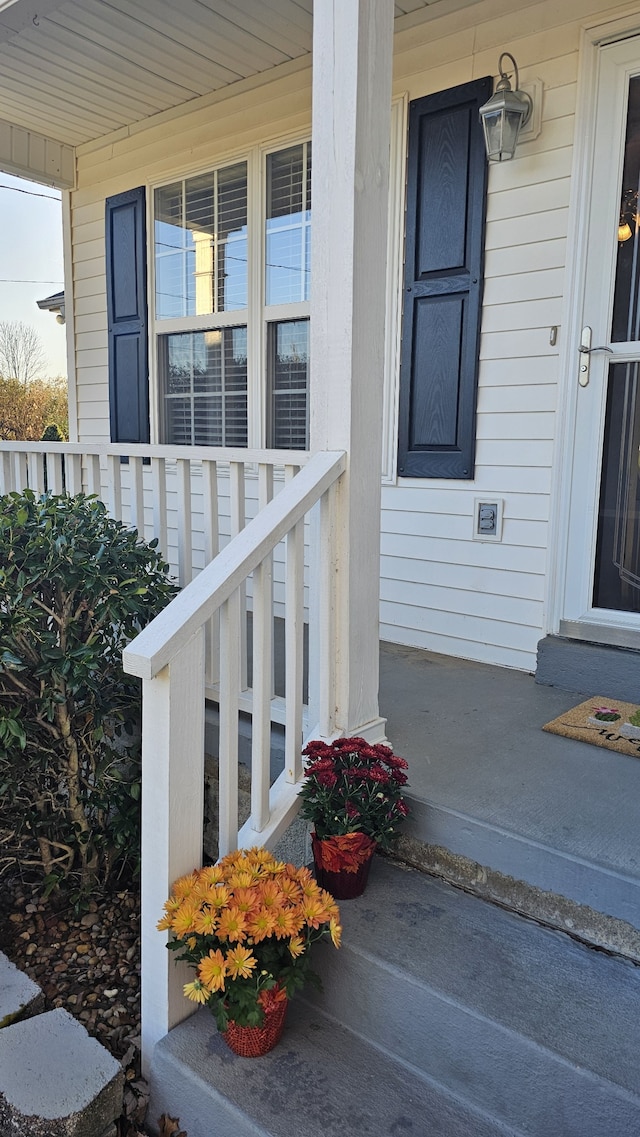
(352, 794)
(246, 925)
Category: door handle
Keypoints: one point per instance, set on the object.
(586, 351)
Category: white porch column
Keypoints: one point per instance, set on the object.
(352, 59)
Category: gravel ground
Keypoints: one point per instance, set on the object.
(89, 964)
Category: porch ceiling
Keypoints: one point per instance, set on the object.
(74, 70)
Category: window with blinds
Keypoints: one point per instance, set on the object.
(216, 303)
(206, 387)
(288, 225)
(201, 244)
(288, 377)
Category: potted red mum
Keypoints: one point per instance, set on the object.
(352, 794)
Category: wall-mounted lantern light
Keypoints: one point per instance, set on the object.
(504, 114)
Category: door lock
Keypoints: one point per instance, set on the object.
(586, 351)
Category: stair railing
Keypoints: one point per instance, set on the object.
(169, 657)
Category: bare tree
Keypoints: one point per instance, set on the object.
(21, 353)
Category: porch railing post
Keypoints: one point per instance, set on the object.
(172, 823)
(352, 58)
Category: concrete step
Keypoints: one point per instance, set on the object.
(441, 1015)
(533, 1028)
(579, 665)
(585, 898)
(320, 1080)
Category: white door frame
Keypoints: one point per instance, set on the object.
(572, 539)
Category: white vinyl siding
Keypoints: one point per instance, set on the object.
(440, 589)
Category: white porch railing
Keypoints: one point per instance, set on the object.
(169, 657)
(192, 499)
(197, 646)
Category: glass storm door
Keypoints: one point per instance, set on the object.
(603, 577)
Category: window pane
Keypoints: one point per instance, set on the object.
(617, 578)
(626, 304)
(179, 428)
(288, 383)
(170, 286)
(207, 422)
(205, 383)
(288, 225)
(232, 238)
(168, 218)
(199, 207)
(201, 244)
(207, 362)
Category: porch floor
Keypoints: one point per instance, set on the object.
(483, 768)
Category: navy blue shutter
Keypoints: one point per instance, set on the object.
(126, 268)
(444, 260)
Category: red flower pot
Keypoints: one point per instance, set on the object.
(342, 863)
(254, 1041)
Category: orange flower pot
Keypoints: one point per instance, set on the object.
(254, 1041)
(342, 863)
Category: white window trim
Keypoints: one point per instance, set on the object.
(393, 311)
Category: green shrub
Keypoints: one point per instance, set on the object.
(634, 719)
(75, 587)
(52, 433)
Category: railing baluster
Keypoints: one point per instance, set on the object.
(20, 471)
(185, 547)
(94, 474)
(73, 473)
(136, 495)
(114, 486)
(6, 478)
(265, 484)
(237, 505)
(35, 465)
(324, 661)
(236, 497)
(211, 523)
(159, 495)
(265, 495)
(228, 731)
(262, 691)
(54, 473)
(294, 651)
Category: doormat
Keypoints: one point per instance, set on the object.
(602, 723)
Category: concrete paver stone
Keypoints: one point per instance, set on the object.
(19, 995)
(55, 1080)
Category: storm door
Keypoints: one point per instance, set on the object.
(603, 555)
(617, 566)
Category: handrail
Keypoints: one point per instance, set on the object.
(144, 450)
(172, 629)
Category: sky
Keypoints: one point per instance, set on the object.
(31, 262)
